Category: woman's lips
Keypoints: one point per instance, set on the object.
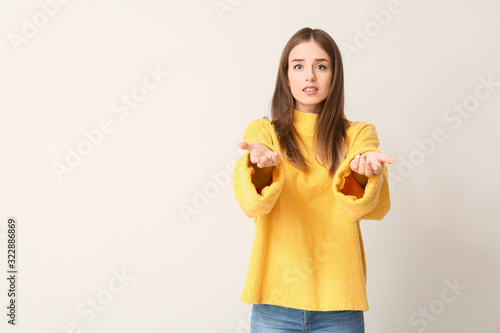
(310, 91)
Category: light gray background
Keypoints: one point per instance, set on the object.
(119, 210)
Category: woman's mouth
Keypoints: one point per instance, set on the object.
(310, 90)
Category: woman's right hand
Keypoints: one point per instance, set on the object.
(260, 154)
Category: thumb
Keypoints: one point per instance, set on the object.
(247, 145)
(244, 145)
(386, 158)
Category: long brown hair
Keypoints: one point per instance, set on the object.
(331, 124)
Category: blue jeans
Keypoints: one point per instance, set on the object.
(268, 318)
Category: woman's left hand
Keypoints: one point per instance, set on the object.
(370, 163)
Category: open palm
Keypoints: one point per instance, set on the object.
(370, 163)
(260, 154)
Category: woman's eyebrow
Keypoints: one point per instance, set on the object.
(320, 59)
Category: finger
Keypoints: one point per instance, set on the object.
(263, 161)
(377, 167)
(259, 161)
(249, 145)
(270, 158)
(386, 158)
(269, 155)
(362, 164)
(254, 158)
(273, 159)
(243, 145)
(276, 158)
(368, 167)
(355, 163)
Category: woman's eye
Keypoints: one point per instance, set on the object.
(299, 66)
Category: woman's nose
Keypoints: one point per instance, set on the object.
(310, 76)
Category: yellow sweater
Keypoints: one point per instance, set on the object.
(307, 251)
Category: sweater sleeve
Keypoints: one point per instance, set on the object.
(371, 202)
(256, 202)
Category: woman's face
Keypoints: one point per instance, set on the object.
(309, 76)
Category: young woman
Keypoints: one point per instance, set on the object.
(307, 178)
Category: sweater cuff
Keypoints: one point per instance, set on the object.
(350, 194)
(255, 202)
(259, 190)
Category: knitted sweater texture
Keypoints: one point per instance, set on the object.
(307, 251)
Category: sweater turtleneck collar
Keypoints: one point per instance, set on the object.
(304, 121)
